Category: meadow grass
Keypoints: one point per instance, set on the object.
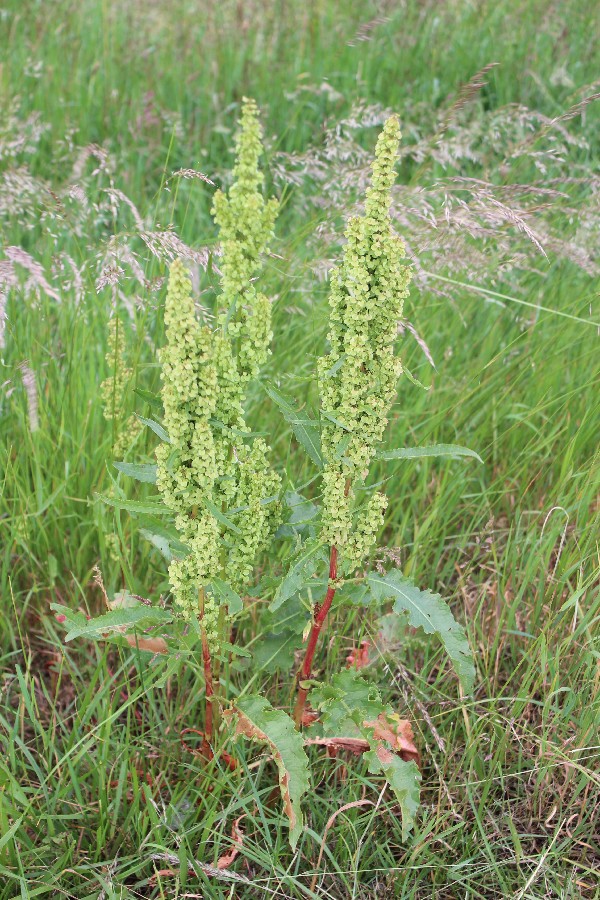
(99, 790)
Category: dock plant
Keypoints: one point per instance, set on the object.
(224, 509)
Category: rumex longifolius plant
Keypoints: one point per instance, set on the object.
(216, 482)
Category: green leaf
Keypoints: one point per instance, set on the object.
(303, 568)
(156, 427)
(448, 450)
(307, 430)
(220, 517)
(403, 777)
(414, 380)
(165, 540)
(136, 506)
(120, 620)
(141, 472)
(352, 708)
(150, 398)
(259, 721)
(345, 703)
(226, 596)
(427, 611)
(275, 652)
(69, 617)
(335, 421)
(302, 514)
(336, 366)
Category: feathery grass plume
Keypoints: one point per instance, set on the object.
(358, 376)
(31, 391)
(208, 467)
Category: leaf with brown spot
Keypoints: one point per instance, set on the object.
(258, 721)
(387, 727)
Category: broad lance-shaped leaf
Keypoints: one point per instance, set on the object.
(117, 620)
(302, 569)
(448, 450)
(354, 716)
(428, 611)
(150, 507)
(404, 779)
(260, 722)
(307, 430)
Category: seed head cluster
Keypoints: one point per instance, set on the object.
(358, 376)
(215, 478)
(113, 390)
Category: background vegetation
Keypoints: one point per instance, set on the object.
(99, 789)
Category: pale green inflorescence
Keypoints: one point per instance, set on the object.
(358, 376)
(210, 464)
(113, 388)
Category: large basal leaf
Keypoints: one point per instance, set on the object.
(307, 430)
(448, 450)
(117, 620)
(258, 721)
(428, 611)
(403, 777)
(354, 718)
(300, 572)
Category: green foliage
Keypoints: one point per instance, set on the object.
(427, 611)
(350, 707)
(89, 734)
(203, 471)
(258, 721)
(217, 486)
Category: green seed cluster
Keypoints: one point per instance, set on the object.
(217, 481)
(112, 390)
(359, 374)
(113, 387)
(246, 221)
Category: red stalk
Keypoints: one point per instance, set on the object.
(319, 616)
(209, 689)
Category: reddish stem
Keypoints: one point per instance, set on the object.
(319, 616)
(209, 689)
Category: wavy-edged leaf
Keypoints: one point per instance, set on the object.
(454, 451)
(403, 777)
(428, 611)
(302, 514)
(258, 721)
(307, 430)
(119, 620)
(140, 471)
(170, 547)
(354, 718)
(275, 652)
(302, 569)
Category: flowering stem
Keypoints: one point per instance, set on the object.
(319, 617)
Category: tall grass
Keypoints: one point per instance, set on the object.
(98, 792)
